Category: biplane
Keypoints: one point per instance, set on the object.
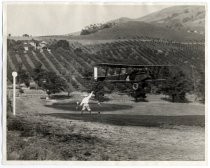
(139, 76)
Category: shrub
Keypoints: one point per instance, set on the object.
(9, 106)
(200, 87)
(61, 43)
(23, 77)
(177, 85)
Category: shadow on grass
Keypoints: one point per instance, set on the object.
(105, 99)
(71, 106)
(136, 120)
(60, 97)
(170, 100)
(140, 100)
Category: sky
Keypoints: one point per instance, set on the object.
(59, 19)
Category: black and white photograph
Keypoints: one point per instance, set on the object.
(104, 81)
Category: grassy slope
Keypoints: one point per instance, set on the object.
(135, 29)
(41, 135)
(190, 17)
(177, 20)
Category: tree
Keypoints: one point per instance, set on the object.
(39, 74)
(61, 43)
(98, 88)
(53, 83)
(68, 81)
(49, 81)
(177, 85)
(78, 51)
(13, 45)
(200, 87)
(25, 35)
(23, 76)
(95, 28)
(87, 73)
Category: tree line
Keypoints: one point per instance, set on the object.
(93, 28)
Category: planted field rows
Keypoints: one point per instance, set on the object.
(79, 59)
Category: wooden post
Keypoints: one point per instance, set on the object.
(14, 74)
(95, 73)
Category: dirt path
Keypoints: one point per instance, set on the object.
(102, 141)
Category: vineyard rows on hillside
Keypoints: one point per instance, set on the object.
(79, 59)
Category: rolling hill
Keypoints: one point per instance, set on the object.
(142, 30)
(177, 23)
(147, 40)
(179, 18)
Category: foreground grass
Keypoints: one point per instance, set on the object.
(29, 140)
(39, 133)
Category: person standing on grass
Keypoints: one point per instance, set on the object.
(85, 103)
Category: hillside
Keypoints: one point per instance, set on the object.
(121, 20)
(80, 59)
(143, 30)
(179, 17)
(176, 23)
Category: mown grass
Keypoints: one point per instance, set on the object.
(131, 132)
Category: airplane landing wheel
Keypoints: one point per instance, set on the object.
(135, 86)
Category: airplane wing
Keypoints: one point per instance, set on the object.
(128, 65)
(121, 72)
(136, 81)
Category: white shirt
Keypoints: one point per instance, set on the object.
(86, 99)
